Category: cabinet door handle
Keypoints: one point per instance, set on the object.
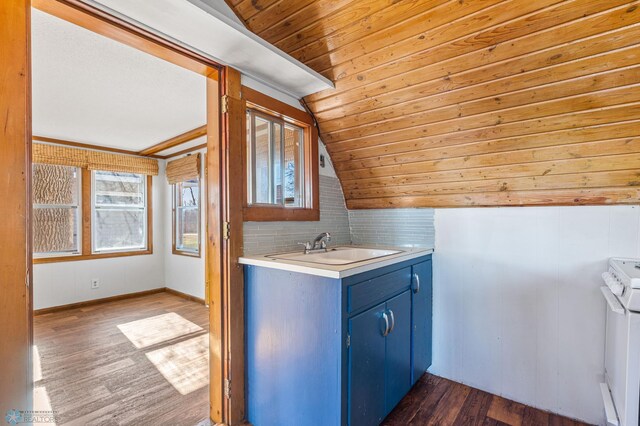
(393, 321)
(416, 279)
(386, 324)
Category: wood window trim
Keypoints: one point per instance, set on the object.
(174, 249)
(87, 235)
(273, 107)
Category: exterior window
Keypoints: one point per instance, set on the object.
(119, 211)
(186, 217)
(276, 156)
(56, 213)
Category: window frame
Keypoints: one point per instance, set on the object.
(79, 230)
(86, 231)
(266, 105)
(174, 220)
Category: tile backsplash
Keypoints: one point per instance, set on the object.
(391, 227)
(275, 237)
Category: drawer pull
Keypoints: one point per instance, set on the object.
(393, 321)
(386, 324)
(416, 280)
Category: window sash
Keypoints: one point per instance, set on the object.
(276, 149)
(95, 208)
(78, 222)
(178, 207)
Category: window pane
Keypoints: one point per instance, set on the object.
(56, 195)
(57, 185)
(187, 227)
(262, 170)
(278, 173)
(188, 193)
(276, 161)
(117, 229)
(55, 230)
(115, 188)
(120, 216)
(293, 166)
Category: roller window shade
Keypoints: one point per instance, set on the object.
(93, 160)
(183, 169)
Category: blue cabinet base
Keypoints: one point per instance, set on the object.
(316, 349)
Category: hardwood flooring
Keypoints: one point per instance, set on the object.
(139, 361)
(438, 401)
(143, 361)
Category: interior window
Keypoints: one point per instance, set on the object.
(56, 197)
(187, 216)
(119, 211)
(276, 160)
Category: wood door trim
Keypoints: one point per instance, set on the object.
(232, 148)
(15, 189)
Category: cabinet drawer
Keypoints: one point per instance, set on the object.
(377, 289)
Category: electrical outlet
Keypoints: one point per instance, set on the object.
(95, 283)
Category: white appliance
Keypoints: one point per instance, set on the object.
(621, 390)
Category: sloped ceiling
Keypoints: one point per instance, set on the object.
(470, 102)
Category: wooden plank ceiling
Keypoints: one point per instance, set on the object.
(470, 102)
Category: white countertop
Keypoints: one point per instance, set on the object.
(337, 271)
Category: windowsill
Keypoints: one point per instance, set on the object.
(95, 256)
(280, 214)
(185, 253)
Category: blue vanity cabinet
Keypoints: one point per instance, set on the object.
(422, 314)
(335, 351)
(367, 367)
(398, 360)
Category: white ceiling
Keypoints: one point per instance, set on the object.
(91, 89)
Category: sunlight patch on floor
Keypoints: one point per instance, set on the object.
(185, 365)
(37, 364)
(161, 328)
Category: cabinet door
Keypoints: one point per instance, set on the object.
(422, 312)
(398, 362)
(366, 367)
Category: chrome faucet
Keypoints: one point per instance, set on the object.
(319, 244)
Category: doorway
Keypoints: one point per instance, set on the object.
(15, 36)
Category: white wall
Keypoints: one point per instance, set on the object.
(62, 283)
(517, 306)
(184, 273)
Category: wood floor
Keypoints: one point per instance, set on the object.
(143, 361)
(96, 365)
(437, 401)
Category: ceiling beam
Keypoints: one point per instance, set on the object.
(185, 151)
(175, 141)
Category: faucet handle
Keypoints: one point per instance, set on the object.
(307, 245)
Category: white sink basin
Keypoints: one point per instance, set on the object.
(337, 256)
